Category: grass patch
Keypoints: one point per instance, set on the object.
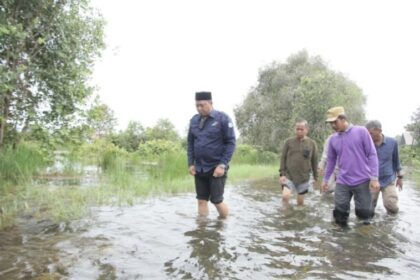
(20, 164)
(410, 159)
(119, 186)
(125, 178)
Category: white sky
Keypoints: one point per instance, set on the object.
(161, 52)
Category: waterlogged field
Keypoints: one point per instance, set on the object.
(161, 237)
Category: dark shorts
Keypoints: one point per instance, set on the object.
(210, 188)
(301, 189)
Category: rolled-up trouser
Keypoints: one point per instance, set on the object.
(362, 202)
(389, 198)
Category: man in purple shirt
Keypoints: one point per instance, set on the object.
(352, 148)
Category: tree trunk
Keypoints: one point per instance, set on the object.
(4, 117)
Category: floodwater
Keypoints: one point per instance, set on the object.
(162, 238)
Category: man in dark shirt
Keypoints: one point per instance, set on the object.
(211, 143)
(390, 174)
(298, 159)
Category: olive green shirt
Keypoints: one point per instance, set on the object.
(298, 159)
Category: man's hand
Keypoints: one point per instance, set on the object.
(399, 184)
(282, 180)
(374, 186)
(219, 171)
(191, 170)
(324, 186)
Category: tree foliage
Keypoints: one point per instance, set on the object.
(100, 119)
(304, 87)
(163, 130)
(414, 126)
(47, 50)
(131, 137)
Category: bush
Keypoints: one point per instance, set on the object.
(409, 155)
(159, 147)
(247, 154)
(102, 153)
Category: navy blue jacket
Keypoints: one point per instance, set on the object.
(389, 161)
(213, 144)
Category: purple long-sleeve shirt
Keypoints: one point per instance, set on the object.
(355, 154)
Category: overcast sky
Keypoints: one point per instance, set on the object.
(161, 52)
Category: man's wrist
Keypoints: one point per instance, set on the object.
(222, 165)
(400, 176)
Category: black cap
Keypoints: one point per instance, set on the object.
(203, 95)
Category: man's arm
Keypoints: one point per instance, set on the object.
(315, 161)
(229, 140)
(283, 157)
(331, 161)
(190, 147)
(283, 166)
(372, 160)
(371, 155)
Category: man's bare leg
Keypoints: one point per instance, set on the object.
(203, 207)
(300, 199)
(223, 209)
(286, 196)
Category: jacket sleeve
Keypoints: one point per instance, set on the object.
(315, 161)
(331, 160)
(371, 155)
(229, 140)
(190, 147)
(283, 157)
(396, 164)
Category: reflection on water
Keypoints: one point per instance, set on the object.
(162, 238)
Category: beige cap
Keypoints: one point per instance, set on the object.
(334, 113)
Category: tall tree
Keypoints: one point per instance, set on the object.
(163, 130)
(304, 87)
(414, 126)
(100, 119)
(47, 50)
(131, 137)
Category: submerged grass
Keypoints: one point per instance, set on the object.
(120, 185)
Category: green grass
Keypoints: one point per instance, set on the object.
(20, 164)
(410, 160)
(126, 178)
(119, 186)
(253, 172)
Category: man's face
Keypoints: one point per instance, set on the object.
(204, 107)
(376, 134)
(301, 130)
(338, 125)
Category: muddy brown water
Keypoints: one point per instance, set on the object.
(162, 238)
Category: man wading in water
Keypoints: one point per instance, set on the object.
(211, 143)
(298, 159)
(357, 161)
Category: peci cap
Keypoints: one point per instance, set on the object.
(203, 95)
(334, 113)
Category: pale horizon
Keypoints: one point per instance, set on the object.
(161, 52)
